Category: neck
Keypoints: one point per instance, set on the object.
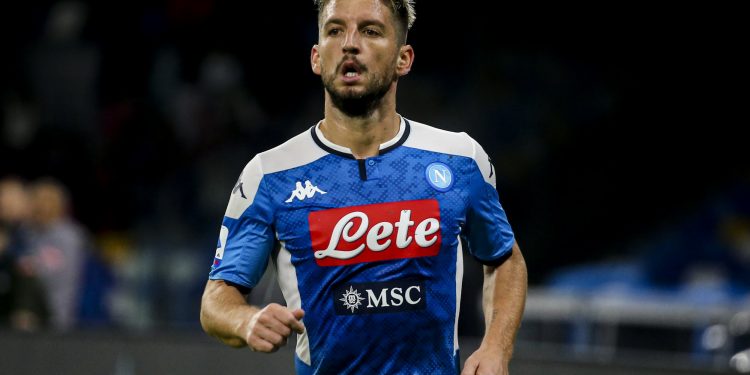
(362, 135)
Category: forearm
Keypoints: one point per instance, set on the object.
(225, 314)
(504, 297)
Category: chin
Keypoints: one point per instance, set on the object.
(351, 93)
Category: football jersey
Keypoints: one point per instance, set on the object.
(370, 249)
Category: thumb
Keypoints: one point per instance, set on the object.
(298, 314)
(470, 367)
(297, 325)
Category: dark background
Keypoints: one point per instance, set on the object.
(606, 123)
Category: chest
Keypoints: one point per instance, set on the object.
(398, 206)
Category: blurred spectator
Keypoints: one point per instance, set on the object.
(7, 276)
(22, 297)
(63, 70)
(14, 202)
(56, 252)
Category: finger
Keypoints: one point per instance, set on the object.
(296, 324)
(273, 322)
(279, 327)
(257, 344)
(289, 318)
(299, 314)
(270, 336)
(470, 367)
(292, 320)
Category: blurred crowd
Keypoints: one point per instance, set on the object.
(44, 257)
(145, 113)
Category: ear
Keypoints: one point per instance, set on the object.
(315, 59)
(405, 60)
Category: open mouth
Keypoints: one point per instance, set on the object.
(351, 69)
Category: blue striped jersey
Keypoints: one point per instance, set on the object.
(370, 248)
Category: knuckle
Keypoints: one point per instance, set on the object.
(264, 346)
(287, 320)
(264, 317)
(273, 306)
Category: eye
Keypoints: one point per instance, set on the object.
(334, 31)
(371, 32)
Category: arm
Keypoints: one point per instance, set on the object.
(503, 300)
(226, 315)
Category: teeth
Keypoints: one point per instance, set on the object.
(351, 74)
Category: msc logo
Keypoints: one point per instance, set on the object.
(375, 298)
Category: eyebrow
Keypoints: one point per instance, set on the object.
(339, 21)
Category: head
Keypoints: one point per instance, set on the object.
(362, 51)
(403, 10)
(49, 202)
(14, 201)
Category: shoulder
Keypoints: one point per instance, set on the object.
(296, 152)
(430, 138)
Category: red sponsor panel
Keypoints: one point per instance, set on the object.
(375, 232)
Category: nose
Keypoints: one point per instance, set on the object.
(351, 42)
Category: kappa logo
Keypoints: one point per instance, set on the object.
(223, 234)
(308, 191)
(238, 187)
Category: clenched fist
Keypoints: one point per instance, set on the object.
(269, 328)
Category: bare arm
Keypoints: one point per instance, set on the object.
(503, 300)
(227, 316)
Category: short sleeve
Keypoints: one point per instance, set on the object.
(246, 238)
(487, 233)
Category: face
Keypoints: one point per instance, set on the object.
(14, 201)
(358, 55)
(48, 203)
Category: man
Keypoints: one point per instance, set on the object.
(56, 254)
(363, 216)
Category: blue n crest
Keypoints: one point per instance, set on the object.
(439, 176)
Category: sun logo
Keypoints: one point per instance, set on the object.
(352, 299)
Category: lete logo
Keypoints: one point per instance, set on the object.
(375, 232)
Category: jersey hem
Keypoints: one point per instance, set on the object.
(504, 255)
(233, 280)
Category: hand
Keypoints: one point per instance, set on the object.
(486, 362)
(269, 328)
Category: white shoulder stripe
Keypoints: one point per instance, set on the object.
(296, 152)
(429, 138)
(293, 153)
(245, 189)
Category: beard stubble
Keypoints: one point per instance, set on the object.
(358, 104)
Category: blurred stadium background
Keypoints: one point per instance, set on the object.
(613, 130)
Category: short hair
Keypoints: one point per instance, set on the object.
(402, 9)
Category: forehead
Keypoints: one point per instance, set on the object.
(356, 10)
